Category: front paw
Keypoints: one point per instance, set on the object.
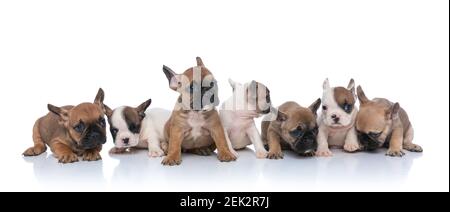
(171, 161)
(261, 154)
(116, 150)
(413, 148)
(226, 157)
(395, 153)
(92, 155)
(155, 153)
(234, 153)
(351, 147)
(67, 158)
(325, 152)
(275, 155)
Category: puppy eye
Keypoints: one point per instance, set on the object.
(134, 128)
(298, 132)
(211, 84)
(102, 122)
(347, 108)
(79, 127)
(324, 107)
(114, 131)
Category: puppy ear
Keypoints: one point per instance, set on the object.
(315, 105)
(108, 111)
(361, 95)
(232, 83)
(174, 82)
(199, 61)
(62, 113)
(143, 107)
(392, 112)
(99, 97)
(326, 84)
(351, 86)
(281, 116)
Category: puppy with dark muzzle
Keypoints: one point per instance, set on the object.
(383, 123)
(194, 125)
(71, 131)
(294, 128)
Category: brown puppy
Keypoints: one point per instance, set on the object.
(295, 128)
(71, 131)
(194, 125)
(382, 123)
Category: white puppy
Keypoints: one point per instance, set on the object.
(249, 101)
(337, 120)
(137, 128)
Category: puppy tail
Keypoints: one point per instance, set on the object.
(39, 145)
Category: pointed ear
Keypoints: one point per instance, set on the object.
(281, 116)
(143, 107)
(326, 84)
(62, 113)
(392, 112)
(108, 111)
(361, 95)
(232, 83)
(315, 105)
(351, 86)
(99, 97)
(199, 61)
(174, 82)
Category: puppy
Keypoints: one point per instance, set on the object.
(249, 101)
(294, 128)
(71, 131)
(194, 125)
(337, 121)
(383, 123)
(134, 127)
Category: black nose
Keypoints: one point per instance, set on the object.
(126, 140)
(335, 118)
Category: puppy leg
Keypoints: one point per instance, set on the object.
(39, 145)
(218, 135)
(154, 148)
(395, 145)
(62, 152)
(274, 140)
(253, 134)
(92, 154)
(407, 141)
(322, 144)
(174, 150)
(230, 146)
(351, 141)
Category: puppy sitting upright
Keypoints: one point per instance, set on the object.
(337, 121)
(249, 101)
(71, 131)
(381, 122)
(294, 127)
(137, 127)
(195, 125)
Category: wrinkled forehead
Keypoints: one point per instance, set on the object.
(370, 118)
(302, 116)
(198, 74)
(86, 112)
(343, 96)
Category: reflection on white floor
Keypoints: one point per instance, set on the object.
(137, 172)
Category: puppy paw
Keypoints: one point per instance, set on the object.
(34, 151)
(351, 147)
(171, 161)
(234, 153)
(92, 155)
(395, 153)
(275, 155)
(116, 150)
(155, 153)
(324, 153)
(413, 148)
(67, 158)
(226, 157)
(261, 154)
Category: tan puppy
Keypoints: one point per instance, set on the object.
(294, 128)
(194, 125)
(382, 123)
(71, 131)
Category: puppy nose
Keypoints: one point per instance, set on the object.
(333, 116)
(126, 140)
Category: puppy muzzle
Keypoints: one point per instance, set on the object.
(368, 143)
(93, 140)
(305, 145)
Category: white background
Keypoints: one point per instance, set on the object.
(61, 52)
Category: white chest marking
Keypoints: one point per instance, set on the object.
(196, 122)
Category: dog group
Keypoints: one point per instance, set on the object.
(198, 125)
